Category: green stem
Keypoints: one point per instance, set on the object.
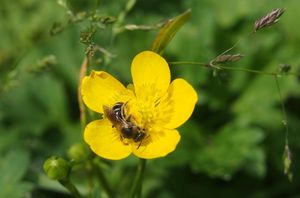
(103, 181)
(138, 180)
(90, 174)
(70, 186)
(187, 63)
(285, 119)
(248, 70)
(82, 73)
(232, 68)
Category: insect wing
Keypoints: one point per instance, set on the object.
(109, 114)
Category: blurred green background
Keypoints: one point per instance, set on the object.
(234, 142)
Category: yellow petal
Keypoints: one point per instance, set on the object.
(149, 69)
(100, 88)
(183, 98)
(105, 140)
(160, 144)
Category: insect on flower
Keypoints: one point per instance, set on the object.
(141, 118)
(117, 117)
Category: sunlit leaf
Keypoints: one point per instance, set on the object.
(169, 30)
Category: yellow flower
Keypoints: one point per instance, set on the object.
(152, 104)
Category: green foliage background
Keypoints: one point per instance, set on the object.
(234, 142)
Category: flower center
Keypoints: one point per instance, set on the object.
(150, 110)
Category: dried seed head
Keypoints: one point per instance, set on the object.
(287, 162)
(269, 19)
(227, 58)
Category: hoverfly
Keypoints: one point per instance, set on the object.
(116, 116)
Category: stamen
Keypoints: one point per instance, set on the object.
(148, 110)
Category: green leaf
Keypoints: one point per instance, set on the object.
(13, 166)
(12, 169)
(168, 31)
(233, 148)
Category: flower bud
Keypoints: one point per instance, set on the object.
(78, 152)
(56, 168)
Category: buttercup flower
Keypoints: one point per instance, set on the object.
(153, 105)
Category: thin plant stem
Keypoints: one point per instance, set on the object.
(285, 120)
(229, 49)
(82, 73)
(90, 174)
(205, 65)
(70, 187)
(140, 187)
(188, 63)
(248, 70)
(287, 153)
(103, 181)
(136, 189)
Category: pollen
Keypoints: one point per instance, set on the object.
(150, 109)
